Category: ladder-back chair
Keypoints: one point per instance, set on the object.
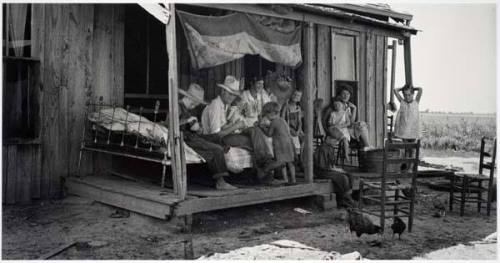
(470, 187)
(391, 192)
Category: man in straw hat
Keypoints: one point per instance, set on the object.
(215, 121)
(213, 153)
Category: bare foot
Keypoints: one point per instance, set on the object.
(223, 185)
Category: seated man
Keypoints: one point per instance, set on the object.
(216, 122)
(324, 168)
(213, 153)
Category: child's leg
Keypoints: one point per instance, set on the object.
(285, 176)
(291, 168)
(345, 145)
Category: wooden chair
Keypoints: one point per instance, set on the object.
(389, 181)
(341, 156)
(469, 188)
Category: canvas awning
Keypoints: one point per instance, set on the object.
(217, 40)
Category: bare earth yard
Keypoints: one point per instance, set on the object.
(31, 231)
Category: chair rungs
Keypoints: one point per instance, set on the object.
(388, 202)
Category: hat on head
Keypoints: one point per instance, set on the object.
(231, 85)
(195, 92)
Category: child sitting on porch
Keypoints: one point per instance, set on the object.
(338, 125)
(274, 126)
(407, 125)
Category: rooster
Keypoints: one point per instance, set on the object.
(361, 224)
(398, 227)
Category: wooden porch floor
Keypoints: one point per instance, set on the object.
(152, 200)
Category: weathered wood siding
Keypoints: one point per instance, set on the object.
(80, 47)
(21, 166)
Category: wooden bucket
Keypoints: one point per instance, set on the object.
(372, 160)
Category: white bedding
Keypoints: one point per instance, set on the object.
(135, 124)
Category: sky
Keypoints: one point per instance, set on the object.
(453, 57)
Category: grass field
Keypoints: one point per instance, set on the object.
(458, 132)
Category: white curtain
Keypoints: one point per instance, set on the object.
(17, 24)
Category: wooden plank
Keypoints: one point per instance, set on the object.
(308, 101)
(407, 57)
(324, 64)
(79, 66)
(137, 189)
(35, 173)
(174, 104)
(380, 92)
(384, 95)
(11, 175)
(102, 61)
(333, 65)
(37, 50)
(370, 86)
(57, 250)
(23, 164)
(191, 206)
(118, 53)
(376, 11)
(103, 52)
(5, 164)
(119, 199)
(362, 77)
(56, 21)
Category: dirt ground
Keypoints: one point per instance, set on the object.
(29, 232)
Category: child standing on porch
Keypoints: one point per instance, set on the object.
(284, 154)
(407, 126)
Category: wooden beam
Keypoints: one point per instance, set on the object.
(120, 198)
(407, 55)
(308, 94)
(174, 105)
(375, 11)
(191, 206)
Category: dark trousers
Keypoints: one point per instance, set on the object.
(342, 183)
(213, 153)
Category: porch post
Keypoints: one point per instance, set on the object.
(308, 97)
(407, 56)
(173, 108)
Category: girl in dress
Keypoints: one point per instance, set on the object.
(276, 127)
(292, 114)
(407, 125)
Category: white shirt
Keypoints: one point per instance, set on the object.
(252, 106)
(214, 116)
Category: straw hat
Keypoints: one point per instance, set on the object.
(195, 92)
(231, 85)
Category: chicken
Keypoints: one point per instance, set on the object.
(440, 206)
(361, 224)
(398, 227)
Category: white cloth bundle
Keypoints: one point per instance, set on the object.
(121, 120)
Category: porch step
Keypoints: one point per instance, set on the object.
(152, 200)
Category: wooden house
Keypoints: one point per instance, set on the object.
(75, 53)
